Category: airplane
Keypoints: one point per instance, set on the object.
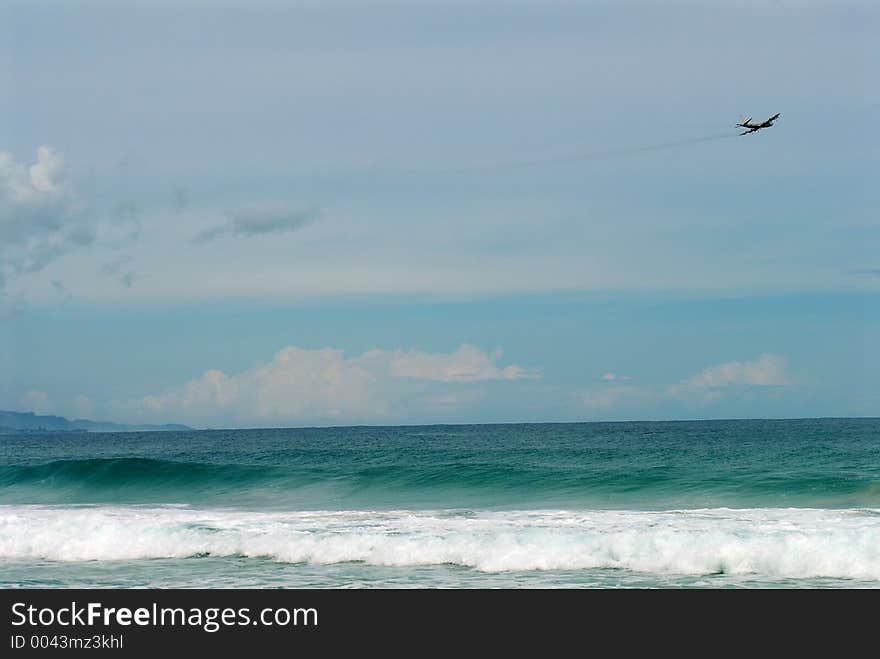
(752, 127)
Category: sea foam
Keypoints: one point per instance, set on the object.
(773, 542)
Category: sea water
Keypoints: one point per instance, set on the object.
(747, 503)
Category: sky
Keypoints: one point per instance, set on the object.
(231, 214)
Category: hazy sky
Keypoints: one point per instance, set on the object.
(321, 213)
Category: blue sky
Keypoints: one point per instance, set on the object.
(347, 212)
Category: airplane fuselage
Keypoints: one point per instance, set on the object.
(766, 124)
(754, 126)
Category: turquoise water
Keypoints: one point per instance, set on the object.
(781, 503)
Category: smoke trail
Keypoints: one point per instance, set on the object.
(589, 155)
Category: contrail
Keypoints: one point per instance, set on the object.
(589, 155)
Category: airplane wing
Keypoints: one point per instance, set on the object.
(774, 117)
(751, 130)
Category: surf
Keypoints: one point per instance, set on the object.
(779, 543)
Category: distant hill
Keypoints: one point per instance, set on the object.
(13, 422)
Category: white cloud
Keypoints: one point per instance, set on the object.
(305, 386)
(766, 370)
(708, 386)
(44, 173)
(40, 218)
(45, 224)
(467, 364)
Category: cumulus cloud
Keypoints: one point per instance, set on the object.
(467, 364)
(40, 217)
(300, 385)
(766, 370)
(260, 219)
(708, 386)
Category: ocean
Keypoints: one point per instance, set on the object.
(691, 504)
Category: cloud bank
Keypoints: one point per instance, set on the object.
(318, 386)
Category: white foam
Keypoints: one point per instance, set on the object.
(787, 543)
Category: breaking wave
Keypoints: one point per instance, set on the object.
(773, 542)
(346, 483)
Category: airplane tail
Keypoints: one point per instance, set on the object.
(743, 121)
